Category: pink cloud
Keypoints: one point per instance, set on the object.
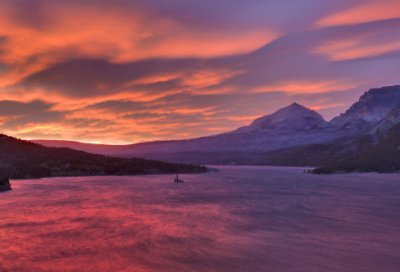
(111, 33)
(367, 11)
(354, 49)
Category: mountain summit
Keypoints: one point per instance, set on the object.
(291, 117)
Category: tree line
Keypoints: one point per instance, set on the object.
(20, 159)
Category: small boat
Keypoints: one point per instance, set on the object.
(177, 179)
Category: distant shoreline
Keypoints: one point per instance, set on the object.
(156, 174)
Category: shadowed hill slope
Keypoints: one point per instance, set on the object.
(382, 157)
(23, 159)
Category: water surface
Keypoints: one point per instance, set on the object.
(241, 219)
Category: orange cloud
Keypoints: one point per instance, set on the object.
(243, 118)
(206, 78)
(45, 129)
(354, 49)
(316, 107)
(218, 129)
(117, 35)
(308, 87)
(369, 12)
(186, 43)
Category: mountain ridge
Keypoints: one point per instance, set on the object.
(275, 131)
(372, 106)
(290, 127)
(374, 150)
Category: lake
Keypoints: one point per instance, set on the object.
(240, 219)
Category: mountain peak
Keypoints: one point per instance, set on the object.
(294, 116)
(294, 104)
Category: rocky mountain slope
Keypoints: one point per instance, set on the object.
(382, 156)
(294, 117)
(374, 149)
(380, 129)
(377, 149)
(371, 108)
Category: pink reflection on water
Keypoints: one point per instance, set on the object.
(242, 219)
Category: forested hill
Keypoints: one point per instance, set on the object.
(21, 159)
(382, 157)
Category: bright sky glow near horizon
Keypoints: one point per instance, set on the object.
(121, 72)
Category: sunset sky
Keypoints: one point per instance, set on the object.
(121, 72)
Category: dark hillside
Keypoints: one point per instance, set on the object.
(309, 155)
(383, 157)
(21, 159)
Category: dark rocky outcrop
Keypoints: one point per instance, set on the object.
(4, 184)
